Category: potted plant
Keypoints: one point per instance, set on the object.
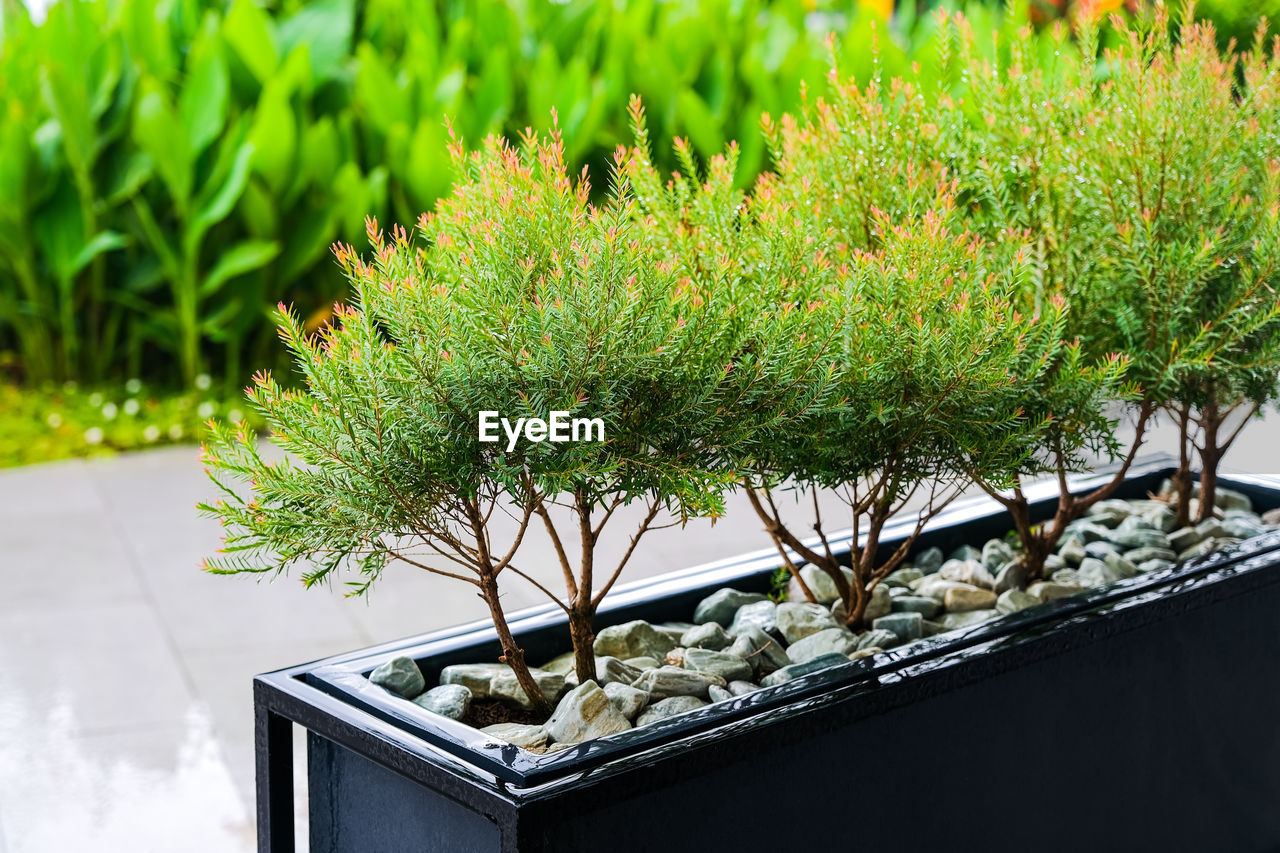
(538, 354)
(754, 338)
(1188, 233)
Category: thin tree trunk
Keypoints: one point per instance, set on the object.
(1036, 544)
(581, 609)
(1210, 456)
(860, 597)
(1039, 543)
(512, 654)
(864, 561)
(1182, 477)
(582, 633)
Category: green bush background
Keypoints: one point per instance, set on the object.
(170, 171)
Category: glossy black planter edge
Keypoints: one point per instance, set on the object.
(333, 699)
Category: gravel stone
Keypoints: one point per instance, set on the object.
(669, 708)
(1095, 573)
(584, 713)
(995, 553)
(526, 737)
(903, 578)
(970, 572)
(935, 586)
(1139, 539)
(401, 676)
(610, 670)
(1181, 540)
(928, 560)
(1122, 567)
(965, 600)
(633, 639)
(1072, 550)
(1013, 600)
(1014, 574)
(760, 650)
(629, 701)
(819, 583)
(670, 681)
(708, 636)
(728, 666)
(1138, 556)
(447, 700)
(905, 626)
(838, 640)
(760, 614)
(476, 677)
(878, 638)
(952, 621)
(720, 605)
(796, 620)
(924, 605)
(795, 670)
(504, 686)
(1048, 591)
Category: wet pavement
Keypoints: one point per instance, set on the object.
(126, 718)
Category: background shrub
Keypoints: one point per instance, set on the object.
(169, 171)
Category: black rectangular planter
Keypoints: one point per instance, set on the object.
(1144, 715)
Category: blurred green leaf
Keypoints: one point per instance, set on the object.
(428, 170)
(239, 259)
(202, 105)
(274, 137)
(159, 132)
(248, 30)
(325, 27)
(220, 204)
(69, 103)
(104, 241)
(699, 122)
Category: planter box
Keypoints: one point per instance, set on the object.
(1144, 715)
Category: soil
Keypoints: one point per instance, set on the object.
(490, 712)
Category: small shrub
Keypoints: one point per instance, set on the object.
(525, 299)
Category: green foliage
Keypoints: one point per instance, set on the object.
(1179, 164)
(1177, 178)
(171, 171)
(930, 362)
(779, 581)
(1142, 184)
(525, 299)
(1236, 21)
(957, 278)
(42, 425)
(156, 195)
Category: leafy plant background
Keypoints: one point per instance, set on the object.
(170, 171)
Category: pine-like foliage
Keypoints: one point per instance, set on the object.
(1176, 164)
(920, 321)
(942, 342)
(930, 354)
(860, 156)
(1010, 131)
(521, 297)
